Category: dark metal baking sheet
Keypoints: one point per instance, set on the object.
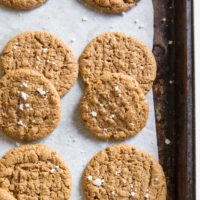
(174, 95)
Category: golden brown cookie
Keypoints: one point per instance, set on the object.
(114, 107)
(35, 172)
(45, 53)
(122, 172)
(5, 195)
(112, 6)
(118, 53)
(22, 4)
(29, 105)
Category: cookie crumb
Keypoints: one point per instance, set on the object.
(89, 178)
(93, 113)
(167, 141)
(170, 42)
(41, 91)
(98, 182)
(163, 19)
(24, 95)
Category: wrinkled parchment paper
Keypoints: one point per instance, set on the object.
(77, 24)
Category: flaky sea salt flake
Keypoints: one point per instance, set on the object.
(41, 91)
(93, 113)
(45, 50)
(21, 123)
(98, 182)
(167, 141)
(21, 107)
(117, 88)
(24, 85)
(132, 194)
(89, 178)
(112, 116)
(84, 19)
(24, 95)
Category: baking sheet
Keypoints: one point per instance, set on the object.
(76, 24)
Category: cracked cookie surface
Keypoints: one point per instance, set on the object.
(114, 107)
(122, 172)
(29, 105)
(118, 53)
(45, 53)
(35, 172)
(22, 4)
(112, 6)
(5, 195)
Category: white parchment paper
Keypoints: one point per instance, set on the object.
(76, 24)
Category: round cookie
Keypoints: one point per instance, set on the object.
(35, 172)
(5, 195)
(112, 6)
(118, 53)
(29, 105)
(45, 53)
(122, 172)
(114, 107)
(22, 4)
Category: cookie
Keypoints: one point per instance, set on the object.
(122, 172)
(5, 195)
(112, 6)
(114, 107)
(22, 4)
(45, 53)
(29, 105)
(35, 172)
(118, 53)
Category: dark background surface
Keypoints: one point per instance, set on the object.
(174, 95)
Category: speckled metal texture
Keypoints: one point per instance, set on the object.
(174, 95)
